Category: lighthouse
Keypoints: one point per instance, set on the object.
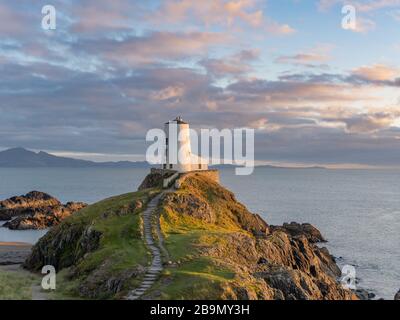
(178, 153)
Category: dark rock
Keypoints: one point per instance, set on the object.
(63, 246)
(102, 284)
(262, 261)
(282, 281)
(397, 296)
(362, 294)
(371, 295)
(155, 179)
(296, 229)
(35, 210)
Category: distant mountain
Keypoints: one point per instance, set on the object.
(267, 166)
(22, 158)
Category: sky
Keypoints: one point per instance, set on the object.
(314, 92)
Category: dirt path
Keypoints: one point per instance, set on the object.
(154, 271)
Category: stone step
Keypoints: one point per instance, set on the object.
(141, 291)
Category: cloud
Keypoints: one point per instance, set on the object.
(363, 6)
(395, 14)
(152, 47)
(222, 13)
(364, 25)
(13, 22)
(115, 69)
(377, 72)
(367, 122)
(234, 65)
(171, 92)
(364, 11)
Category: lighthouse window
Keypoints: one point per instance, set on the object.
(170, 166)
(166, 141)
(200, 166)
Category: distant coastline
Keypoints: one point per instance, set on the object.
(24, 158)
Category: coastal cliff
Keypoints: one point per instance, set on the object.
(215, 249)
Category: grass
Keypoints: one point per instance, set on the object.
(121, 245)
(16, 285)
(197, 279)
(195, 276)
(192, 276)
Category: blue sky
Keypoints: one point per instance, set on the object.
(314, 92)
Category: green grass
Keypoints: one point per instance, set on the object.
(121, 245)
(197, 279)
(195, 276)
(16, 285)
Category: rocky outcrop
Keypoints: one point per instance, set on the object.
(102, 283)
(63, 246)
(35, 210)
(397, 296)
(201, 203)
(155, 179)
(16, 206)
(218, 249)
(295, 229)
(269, 262)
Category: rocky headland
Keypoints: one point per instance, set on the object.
(212, 248)
(35, 210)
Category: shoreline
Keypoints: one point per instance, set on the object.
(14, 253)
(15, 244)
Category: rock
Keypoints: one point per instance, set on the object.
(199, 204)
(63, 246)
(262, 261)
(190, 204)
(101, 283)
(397, 296)
(362, 294)
(36, 210)
(138, 204)
(33, 199)
(371, 295)
(155, 179)
(296, 229)
(266, 262)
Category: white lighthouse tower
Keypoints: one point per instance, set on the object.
(178, 153)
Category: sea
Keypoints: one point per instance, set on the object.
(357, 211)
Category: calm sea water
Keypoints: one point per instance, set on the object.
(358, 211)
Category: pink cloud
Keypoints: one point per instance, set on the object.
(223, 13)
(377, 72)
(11, 22)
